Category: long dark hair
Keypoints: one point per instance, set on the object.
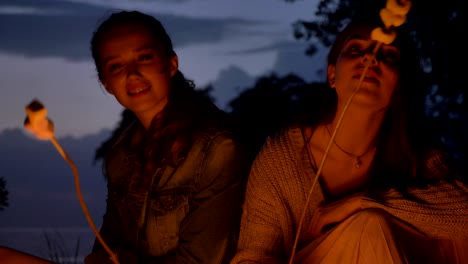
(404, 142)
(175, 128)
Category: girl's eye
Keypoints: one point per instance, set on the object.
(148, 57)
(115, 68)
(353, 49)
(391, 55)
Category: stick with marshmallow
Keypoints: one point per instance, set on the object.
(393, 15)
(43, 128)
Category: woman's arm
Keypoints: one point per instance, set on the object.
(438, 210)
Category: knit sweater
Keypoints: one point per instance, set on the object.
(277, 190)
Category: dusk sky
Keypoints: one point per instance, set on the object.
(44, 52)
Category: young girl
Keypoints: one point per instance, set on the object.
(175, 174)
(386, 192)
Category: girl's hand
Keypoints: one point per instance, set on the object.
(328, 215)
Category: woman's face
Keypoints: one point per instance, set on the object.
(381, 77)
(135, 69)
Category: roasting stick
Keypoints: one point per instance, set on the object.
(43, 128)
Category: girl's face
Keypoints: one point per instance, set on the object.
(135, 68)
(381, 77)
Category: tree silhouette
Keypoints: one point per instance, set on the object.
(3, 194)
(272, 103)
(437, 27)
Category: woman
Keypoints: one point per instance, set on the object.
(386, 191)
(175, 174)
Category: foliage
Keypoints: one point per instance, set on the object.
(269, 105)
(3, 194)
(437, 27)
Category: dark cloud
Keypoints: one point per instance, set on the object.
(274, 46)
(63, 29)
(292, 59)
(229, 84)
(162, 1)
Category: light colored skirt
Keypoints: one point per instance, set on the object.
(373, 236)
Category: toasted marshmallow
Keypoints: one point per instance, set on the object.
(399, 7)
(391, 19)
(37, 122)
(378, 34)
(393, 15)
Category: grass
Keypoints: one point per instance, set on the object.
(58, 251)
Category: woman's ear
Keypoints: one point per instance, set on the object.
(174, 65)
(331, 75)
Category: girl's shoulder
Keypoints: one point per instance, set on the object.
(290, 136)
(216, 130)
(286, 144)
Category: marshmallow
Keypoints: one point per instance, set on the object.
(393, 15)
(385, 37)
(37, 122)
(399, 7)
(391, 19)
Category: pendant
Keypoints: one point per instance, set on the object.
(358, 163)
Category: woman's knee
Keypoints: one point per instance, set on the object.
(374, 213)
(377, 221)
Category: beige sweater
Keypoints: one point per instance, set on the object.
(279, 183)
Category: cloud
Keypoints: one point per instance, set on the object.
(292, 59)
(229, 84)
(63, 29)
(279, 45)
(163, 1)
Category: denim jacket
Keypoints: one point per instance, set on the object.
(186, 213)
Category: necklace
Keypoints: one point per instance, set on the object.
(357, 157)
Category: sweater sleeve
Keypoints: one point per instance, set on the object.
(261, 238)
(439, 210)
